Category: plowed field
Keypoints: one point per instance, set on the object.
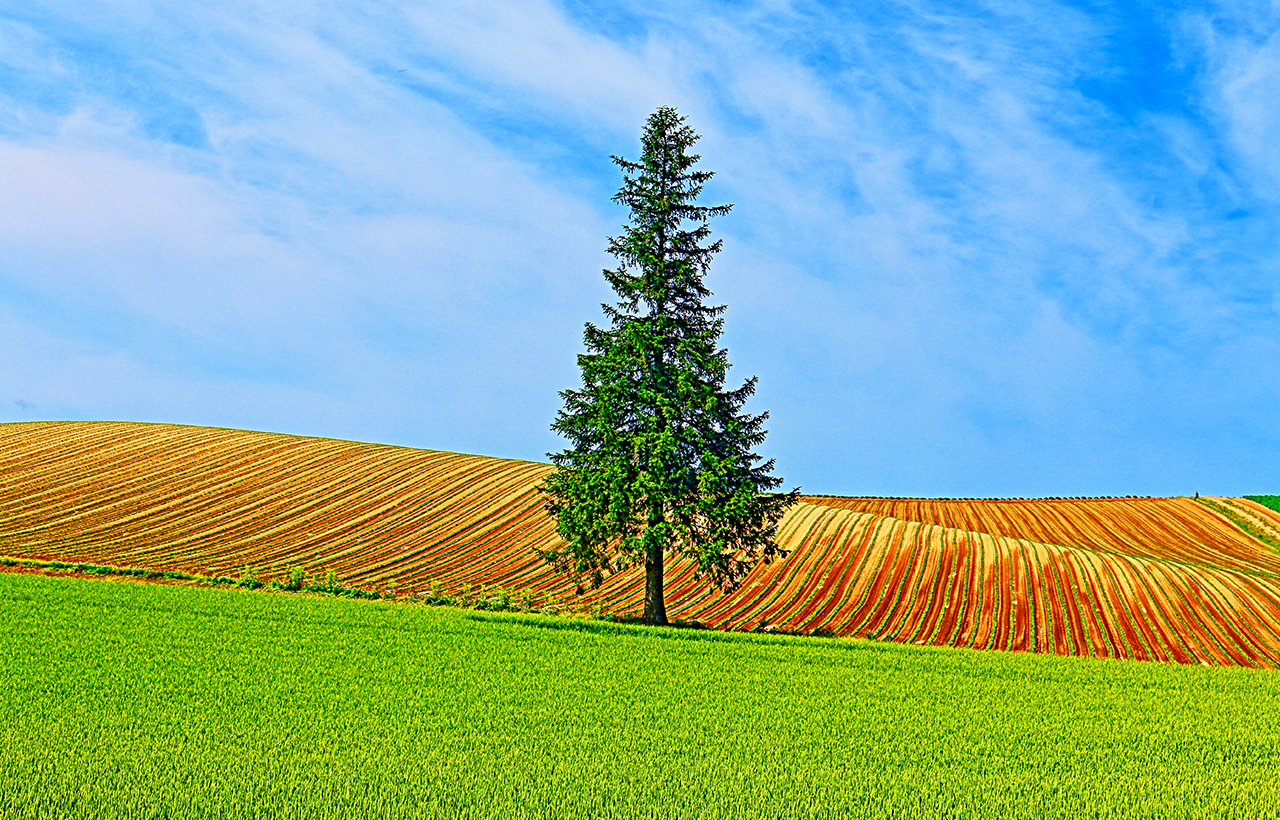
(1155, 579)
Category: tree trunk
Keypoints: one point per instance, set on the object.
(655, 608)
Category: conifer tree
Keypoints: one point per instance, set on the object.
(661, 461)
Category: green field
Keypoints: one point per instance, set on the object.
(123, 699)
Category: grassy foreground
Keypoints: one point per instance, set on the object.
(122, 699)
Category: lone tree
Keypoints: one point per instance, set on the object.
(662, 459)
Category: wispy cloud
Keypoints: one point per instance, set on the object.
(973, 250)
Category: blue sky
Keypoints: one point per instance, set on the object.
(977, 249)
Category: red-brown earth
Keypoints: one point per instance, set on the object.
(1169, 579)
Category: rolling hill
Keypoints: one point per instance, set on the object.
(1174, 579)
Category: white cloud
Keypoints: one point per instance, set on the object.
(392, 220)
(1244, 84)
(158, 245)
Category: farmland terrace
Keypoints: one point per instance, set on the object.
(1167, 579)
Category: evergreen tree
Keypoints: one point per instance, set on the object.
(661, 459)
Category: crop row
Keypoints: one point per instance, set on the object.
(1176, 529)
(1158, 579)
(862, 574)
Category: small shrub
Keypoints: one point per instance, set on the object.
(250, 579)
(296, 580)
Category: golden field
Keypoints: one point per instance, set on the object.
(1144, 578)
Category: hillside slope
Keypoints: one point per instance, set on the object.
(1178, 529)
(1160, 579)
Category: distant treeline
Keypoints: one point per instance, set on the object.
(1270, 501)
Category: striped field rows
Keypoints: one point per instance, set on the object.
(1155, 579)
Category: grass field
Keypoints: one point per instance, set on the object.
(123, 699)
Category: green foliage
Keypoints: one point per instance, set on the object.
(136, 700)
(297, 580)
(1271, 502)
(662, 455)
(478, 596)
(330, 586)
(107, 569)
(250, 579)
(490, 599)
